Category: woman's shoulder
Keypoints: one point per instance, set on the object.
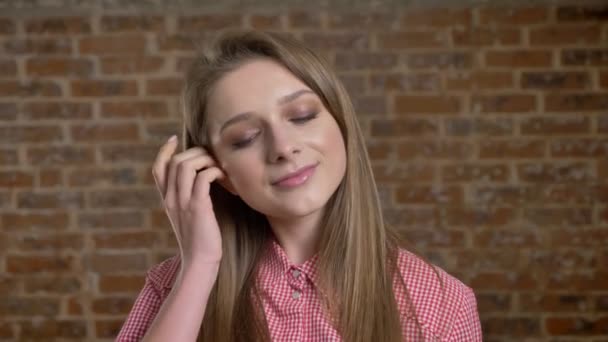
(163, 274)
(437, 297)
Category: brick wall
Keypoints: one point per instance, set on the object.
(488, 128)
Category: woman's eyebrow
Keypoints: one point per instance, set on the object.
(282, 101)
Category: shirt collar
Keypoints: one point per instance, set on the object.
(274, 265)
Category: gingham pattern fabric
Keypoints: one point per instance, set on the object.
(293, 307)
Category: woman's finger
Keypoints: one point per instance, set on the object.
(159, 168)
(186, 173)
(202, 183)
(171, 196)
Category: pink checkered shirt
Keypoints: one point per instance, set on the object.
(293, 309)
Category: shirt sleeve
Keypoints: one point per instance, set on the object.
(142, 314)
(467, 327)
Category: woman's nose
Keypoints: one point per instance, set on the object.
(282, 145)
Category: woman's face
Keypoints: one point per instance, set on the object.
(266, 125)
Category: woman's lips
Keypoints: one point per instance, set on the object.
(297, 178)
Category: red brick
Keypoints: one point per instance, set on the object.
(128, 153)
(20, 306)
(112, 305)
(486, 37)
(366, 60)
(462, 172)
(30, 88)
(180, 41)
(587, 238)
(104, 45)
(105, 132)
(555, 125)
(58, 25)
(60, 155)
(439, 60)
(435, 150)
(504, 103)
(419, 104)
(578, 172)
(479, 80)
(102, 177)
(325, 41)
(431, 238)
(582, 13)
(604, 79)
(368, 19)
(108, 328)
(8, 157)
(113, 263)
(50, 200)
(129, 23)
(472, 217)
(558, 217)
(579, 148)
(52, 284)
(576, 102)
(109, 219)
(54, 329)
(8, 68)
(74, 307)
(38, 46)
(106, 199)
(379, 150)
(581, 326)
(411, 40)
(6, 328)
(43, 110)
(131, 65)
(404, 82)
(64, 67)
(404, 173)
(560, 35)
(209, 22)
(520, 327)
(265, 21)
(16, 179)
(39, 264)
(30, 134)
(555, 80)
(504, 281)
(303, 19)
(508, 238)
(8, 111)
(513, 16)
(588, 57)
(104, 88)
(126, 240)
(134, 109)
(7, 27)
(166, 86)
(578, 281)
(15, 222)
(55, 242)
(120, 283)
(161, 130)
(404, 126)
(436, 17)
(519, 58)
(479, 126)
(428, 194)
(494, 302)
(501, 149)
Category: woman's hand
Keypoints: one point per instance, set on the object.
(183, 180)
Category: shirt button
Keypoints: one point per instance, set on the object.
(295, 294)
(296, 273)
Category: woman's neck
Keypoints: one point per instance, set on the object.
(299, 237)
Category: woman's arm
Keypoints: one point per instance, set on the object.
(181, 314)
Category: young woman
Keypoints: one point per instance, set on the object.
(277, 217)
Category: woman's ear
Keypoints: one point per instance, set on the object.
(227, 184)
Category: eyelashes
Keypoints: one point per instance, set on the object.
(296, 120)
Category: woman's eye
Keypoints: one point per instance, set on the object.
(303, 119)
(244, 142)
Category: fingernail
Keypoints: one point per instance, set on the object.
(173, 138)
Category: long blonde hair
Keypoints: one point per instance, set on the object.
(357, 251)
